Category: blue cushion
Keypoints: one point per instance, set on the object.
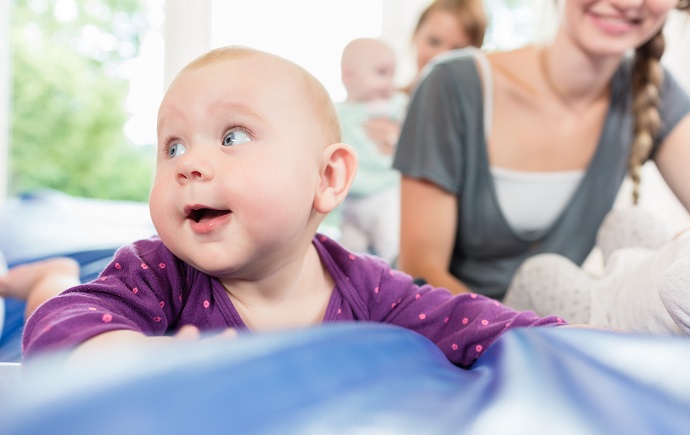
(366, 378)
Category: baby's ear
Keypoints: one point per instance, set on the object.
(337, 170)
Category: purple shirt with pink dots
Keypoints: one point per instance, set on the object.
(146, 288)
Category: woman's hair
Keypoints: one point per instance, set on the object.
(646, 86)
(470, 14)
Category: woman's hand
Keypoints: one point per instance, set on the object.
(384, 132)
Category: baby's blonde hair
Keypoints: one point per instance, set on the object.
(647, 80)
(314, 92)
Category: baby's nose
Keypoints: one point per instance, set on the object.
(192, 168)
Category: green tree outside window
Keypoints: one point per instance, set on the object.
(67, 107)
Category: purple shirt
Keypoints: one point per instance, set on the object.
(146, 288)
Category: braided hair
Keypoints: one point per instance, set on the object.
(647, 80)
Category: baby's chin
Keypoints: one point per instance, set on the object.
(215, 270)
(222, 269)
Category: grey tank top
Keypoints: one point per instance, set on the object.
(443, 141)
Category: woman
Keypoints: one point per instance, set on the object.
(523, 152)
(447, 25)
(442, 26)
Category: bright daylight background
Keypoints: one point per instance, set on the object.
(311, 33)
(170, 33)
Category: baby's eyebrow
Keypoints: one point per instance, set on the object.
(169, 110)
(236, 108)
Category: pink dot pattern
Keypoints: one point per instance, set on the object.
(460, 327)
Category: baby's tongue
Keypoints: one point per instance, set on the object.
(209, 214)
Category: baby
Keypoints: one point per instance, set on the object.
(36, 282)
(370, 220)
(249, 164)
(643, 287)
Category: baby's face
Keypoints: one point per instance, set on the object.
(237, 166)
(373, 78)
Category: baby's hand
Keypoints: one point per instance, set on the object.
(190, 332)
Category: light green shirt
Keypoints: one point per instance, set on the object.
(375, 172)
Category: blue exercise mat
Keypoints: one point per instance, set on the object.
(47, 223)
(366, 379)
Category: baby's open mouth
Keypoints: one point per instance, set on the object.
(206, 214)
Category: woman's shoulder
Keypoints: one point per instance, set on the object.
(514, 69)
(512, 58)
(516, 73)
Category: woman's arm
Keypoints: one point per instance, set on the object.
(673, 161)
(428, 223)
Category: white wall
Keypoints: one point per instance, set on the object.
(399, 19)
(310, 32)
(186, 32)
(677, 54)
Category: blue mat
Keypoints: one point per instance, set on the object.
(364, 378)
(48, 223)
(345, 378)
(91, 264)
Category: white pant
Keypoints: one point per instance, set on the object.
(372, 224)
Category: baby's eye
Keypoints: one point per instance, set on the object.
(235, 138)
(176, 149)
